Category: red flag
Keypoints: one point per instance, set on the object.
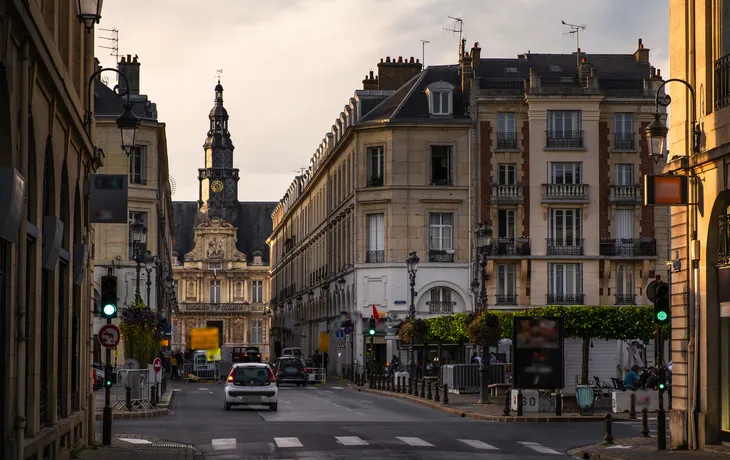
(376, 314)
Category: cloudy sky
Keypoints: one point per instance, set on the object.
(289, 66)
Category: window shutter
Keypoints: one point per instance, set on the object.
(551, 279)
(579, 279)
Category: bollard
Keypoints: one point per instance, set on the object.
(436, 395)
(403, 388)
(423, 388)
(505, 412)
(644, 423)
(153, 396)
(608, 437)
(519, 403)
(159, 393)
(429, 395)
(446, 393)
(397, 384)
(661, 429)
(410, 385)
(128, 397)
(372, 381)
(558, 403)
(632, 406)
(393, 384)
(386, 383)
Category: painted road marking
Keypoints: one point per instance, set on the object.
(351, 441)
(176, 389)
(478, 444)
(135, 441)
(202, 389)
(223, 443)
(338, 388)
(418, 442)
(288, 442)
(537, 447)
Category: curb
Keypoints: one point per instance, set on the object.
(162, 409)
(485, 417)
(588, 455)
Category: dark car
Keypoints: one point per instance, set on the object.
(246, 355)
(290, 369)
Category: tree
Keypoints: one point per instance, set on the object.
(415, 330)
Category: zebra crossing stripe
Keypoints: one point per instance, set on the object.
(288, 442)
(537, 447)
(417, 442)
(478, 444)
(223, 443)
(351, 441)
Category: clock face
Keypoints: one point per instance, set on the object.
(217, 186)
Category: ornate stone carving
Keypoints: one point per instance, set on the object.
(215, 249)
(215, 239)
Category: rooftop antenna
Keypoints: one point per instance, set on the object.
(423, 52)
(458, 27)
(575, 29)
(219, 74)
(114, 39)
(300, 170)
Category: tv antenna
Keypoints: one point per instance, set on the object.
(458, 27)
(423, 52)
(300, 170)
(114, 45)
(575, 29)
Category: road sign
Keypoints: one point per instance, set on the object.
(348, 330)
(340, 342)
(157, 365)
(108, 198)
(340, 333)
(204, 338)
(109, 336)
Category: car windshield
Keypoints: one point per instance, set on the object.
(291, 363)
(254, 376)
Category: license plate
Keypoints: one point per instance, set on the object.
(250, 399)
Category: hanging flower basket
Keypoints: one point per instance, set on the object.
(485, 330)
(142, 329)
(415, 330)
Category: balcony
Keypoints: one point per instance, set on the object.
(440, 307)
(507, 141)
(628, 247)
(440, 255)
(565, 246)
(722, 82)
(625, 194)
(375, 257)
(565, 193)
(565, 299)
(502, 193)
(508, 247)
(564, 139)
(723, 247)
(625, 299)
(624, 141)
(375, 181)
(506, 299)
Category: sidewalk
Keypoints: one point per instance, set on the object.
(466, 406)
(643, 448)
(126, 446)
(164, 406)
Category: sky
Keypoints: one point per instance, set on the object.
(290, 66)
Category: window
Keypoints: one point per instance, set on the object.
(142, 217)
(507, 174)
(624, 284)
(176, 288)
(565, 228)
(507, 223)
(441, 237)
(256, 334)
(257, 291)
(506, 284)
(375, 166)
(565, 173)
(506, 130)
(215, 266)
(440, 165)
(215, 291)
(138, 165)
(440, 98)
(376, 238)
(565, 283)
(624, 174)
(441, 301)
(624, 131)
(624, 224)
(564, 129)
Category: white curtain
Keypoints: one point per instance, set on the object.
(624, 226)
(376, 232)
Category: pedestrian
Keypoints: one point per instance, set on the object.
(174, 367)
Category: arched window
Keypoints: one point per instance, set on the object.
(440, 98)
(441, 301)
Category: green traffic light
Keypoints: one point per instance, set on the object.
(661, 316)
(109, 309)
(372, 331)
(661, 386)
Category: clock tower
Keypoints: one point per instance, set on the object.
(218, 195)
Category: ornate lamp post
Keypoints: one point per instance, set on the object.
(150, 262)
(412, 265)
(484, 240)
(89, 13)
(139, 239)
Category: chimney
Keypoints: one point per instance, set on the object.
(467, 72)
(258, 258)
(476, 56)
(392, 74)
(585, 69)
(129, 68)
(642, 54)
(370, 82)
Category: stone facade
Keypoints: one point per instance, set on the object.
(46, 296)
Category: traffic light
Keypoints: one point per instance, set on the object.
(109, 296)
(107, 382)
(662, 306)
(371, 326)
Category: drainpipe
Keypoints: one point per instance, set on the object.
(20, 337)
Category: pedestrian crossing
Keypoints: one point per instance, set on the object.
(469, 445)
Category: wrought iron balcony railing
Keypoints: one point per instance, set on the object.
(565, 246)
(508, 247)
(441, 307)
(624, 194)
(625, 299)
(506, 140)
(502, 193)
(440, 255)
(722, 82)
(565, 299)
(624, 141)
(628, 247)
(564, 139)
(564, 192)
(375, 257)
(506, 299)
(184, 307)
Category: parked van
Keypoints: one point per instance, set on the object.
(292, 351)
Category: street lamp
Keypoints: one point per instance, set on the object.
(412, 265)
(150, 262)
(483, 236)
(138, 232)
(475, 290)
(657, 131)
(89, 13)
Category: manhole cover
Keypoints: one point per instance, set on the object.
(172, 444)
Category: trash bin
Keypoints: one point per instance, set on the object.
(584, 397)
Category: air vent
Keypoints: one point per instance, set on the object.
(556, 68)
(511, 70)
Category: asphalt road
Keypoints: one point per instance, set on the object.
(334, 422)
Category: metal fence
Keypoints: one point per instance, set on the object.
(141, 384)
(466, 378)
(201, 371)
(320, 375)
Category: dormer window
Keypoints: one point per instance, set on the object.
(440, 98)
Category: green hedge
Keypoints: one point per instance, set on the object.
(585, 322)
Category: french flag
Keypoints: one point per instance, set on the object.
(376, 314)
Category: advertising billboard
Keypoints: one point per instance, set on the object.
(538, 353)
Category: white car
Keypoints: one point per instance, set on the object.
(251, 384)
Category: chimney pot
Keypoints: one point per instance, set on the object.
(129, 58)
(411, 60)
(641, 45)
(371, 74)
(387, 59)
(381, 59)
(135, 59)
(578, 50)
(659, 73)
(418, 61)
(583, 60)
(400, 59)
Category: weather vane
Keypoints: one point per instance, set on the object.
(219, 73)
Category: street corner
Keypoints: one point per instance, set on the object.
(163, 408)
(640, 449)
(140, 447)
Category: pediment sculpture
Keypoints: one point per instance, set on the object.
(215, 249)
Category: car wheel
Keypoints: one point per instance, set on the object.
(227, 406)
(274, 406)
